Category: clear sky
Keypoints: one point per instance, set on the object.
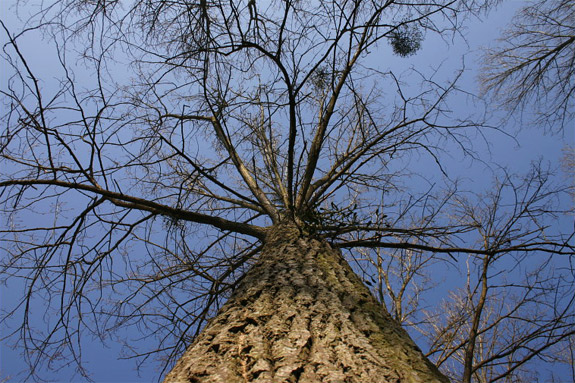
(505, 151)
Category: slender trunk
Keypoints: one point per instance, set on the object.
(474, 331)
(302, 315)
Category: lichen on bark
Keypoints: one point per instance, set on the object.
(301, 314)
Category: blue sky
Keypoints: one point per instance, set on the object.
(505, 151)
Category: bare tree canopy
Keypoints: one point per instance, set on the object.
(146, 179)
(533, 64)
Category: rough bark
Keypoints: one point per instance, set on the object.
(302, 315)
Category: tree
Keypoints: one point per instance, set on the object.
(533, 64)
(255, 145)
(512, 308)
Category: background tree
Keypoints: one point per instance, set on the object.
(515, 306)
(533, 64)
(244, 130)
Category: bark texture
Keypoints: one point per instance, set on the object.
(302, 315)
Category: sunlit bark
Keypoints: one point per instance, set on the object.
(302, 315)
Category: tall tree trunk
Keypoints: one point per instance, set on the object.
(302, 315)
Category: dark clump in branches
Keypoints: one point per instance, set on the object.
(406, 41)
